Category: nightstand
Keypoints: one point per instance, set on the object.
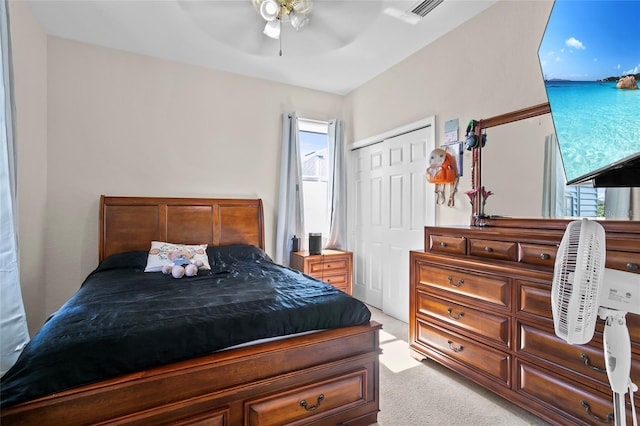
(332, 266)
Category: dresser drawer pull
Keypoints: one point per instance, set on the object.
(544, 256)
(459, 348)
(303, 403)
(632, 266)
(488, 249)
(458, 284)
(587, 362)
(443, 244)
(457, 317)
(587, 408)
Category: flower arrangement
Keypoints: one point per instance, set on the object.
(484, 194)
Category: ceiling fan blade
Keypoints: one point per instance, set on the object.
(233, 23)
(332, 25)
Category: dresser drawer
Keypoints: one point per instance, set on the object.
(535, 254)
(587, 360)
(309, 403)
(493, 249)
(624, 261)
(480, 358)
(577, 402)
(535, 299)
(472, 320)
(485, 288)
(445, 244)
(213, 419)
(332, 264)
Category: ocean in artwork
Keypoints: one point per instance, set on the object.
(596, 123)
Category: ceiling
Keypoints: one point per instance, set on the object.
(345, 44)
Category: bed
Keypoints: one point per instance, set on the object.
(297, 351)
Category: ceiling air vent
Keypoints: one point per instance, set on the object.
(424, 7)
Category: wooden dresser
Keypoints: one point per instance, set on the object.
(334, 267)
(480, 305)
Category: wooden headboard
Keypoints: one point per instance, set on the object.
(131, 223)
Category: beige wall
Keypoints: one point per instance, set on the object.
(123, 124)
(486, 67)
(29, 45)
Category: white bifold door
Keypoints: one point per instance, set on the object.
(390, 202)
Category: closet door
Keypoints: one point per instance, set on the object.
(392, 207)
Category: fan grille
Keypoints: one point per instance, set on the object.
(577, 279)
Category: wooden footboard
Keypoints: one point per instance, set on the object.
(327, 377)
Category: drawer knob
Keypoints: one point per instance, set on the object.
(587, 362)
(587, 408)
(443, 244)
(454, 348)
(303, 403)
(452, 284)
(632, 266)
(544, 256)
(457, 317)
(488, 249)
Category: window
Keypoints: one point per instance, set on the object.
(584, 201)
(314, 150)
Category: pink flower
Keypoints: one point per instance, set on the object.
(471, 194)
(485, 194)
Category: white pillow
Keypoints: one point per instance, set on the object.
(159, 255)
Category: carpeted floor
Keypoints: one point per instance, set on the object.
(421, 394)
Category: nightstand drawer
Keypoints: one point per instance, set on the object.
(339, 281)
(332, 264)
(493, 249)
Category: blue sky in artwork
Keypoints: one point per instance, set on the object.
(589, 40)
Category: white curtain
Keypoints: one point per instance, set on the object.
(554, 182)
(337, 186)
(290, 201)
(13, 322)
(622, 203)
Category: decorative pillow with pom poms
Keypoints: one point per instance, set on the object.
(169, 254)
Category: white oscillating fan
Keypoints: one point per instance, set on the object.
(584, 289)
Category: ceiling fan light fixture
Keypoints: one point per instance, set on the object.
(272, 29)
(277, 11)
(269, 10)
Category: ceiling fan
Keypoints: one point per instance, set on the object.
(274, 12)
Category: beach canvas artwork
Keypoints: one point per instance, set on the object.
(590, 60)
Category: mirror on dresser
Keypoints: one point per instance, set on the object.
(521, 165)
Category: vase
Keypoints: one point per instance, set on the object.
(481, 219)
